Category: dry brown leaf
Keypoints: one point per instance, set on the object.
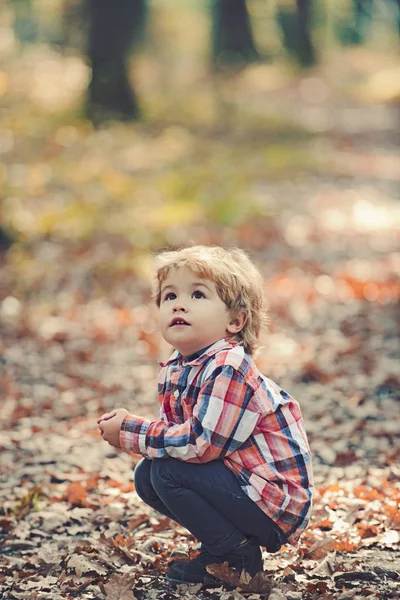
(76, 494)
(82, 565)
(327, 567)
(119, 541)
(164, 523)
(225, 573)
(43, 583)
(260, 583)
(289, 573)
(6, 524)
(317, 587)
(320, 549)
(137, 521)
(313, 372)
(119, 587)
(346, 546)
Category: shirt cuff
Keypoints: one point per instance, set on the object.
(132, 436)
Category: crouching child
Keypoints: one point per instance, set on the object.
(228, 458)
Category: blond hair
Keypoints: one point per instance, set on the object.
(239, 284)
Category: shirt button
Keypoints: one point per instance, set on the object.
(176, 393)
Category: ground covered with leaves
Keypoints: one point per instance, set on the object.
(312, 195)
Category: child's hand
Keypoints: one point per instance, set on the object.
(110, 426)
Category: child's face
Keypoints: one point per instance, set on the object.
(186, 296)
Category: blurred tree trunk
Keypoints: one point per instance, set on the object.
(363, 18)
(304, 16)
(232, 37)
(296, 25)
(356, 29)
(74, 25)
(398, 14)
(6, 240)
(25, 24)
(113, 26)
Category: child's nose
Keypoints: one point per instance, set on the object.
(179, 306)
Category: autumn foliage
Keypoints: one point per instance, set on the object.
(302, 171)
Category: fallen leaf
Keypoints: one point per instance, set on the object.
(327, 567)
(119, 587)
(260, 583)
(320, 548)
(317, 587)
(82, 565)
(76, 494)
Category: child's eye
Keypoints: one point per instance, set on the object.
(198, 294)
(169, 296)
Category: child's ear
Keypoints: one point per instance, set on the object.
(237, 323)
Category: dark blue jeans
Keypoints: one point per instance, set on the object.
(207, 500)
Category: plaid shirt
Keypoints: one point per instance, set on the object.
(216, 405)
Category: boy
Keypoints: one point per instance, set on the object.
(229, 458)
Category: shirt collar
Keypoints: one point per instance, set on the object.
(198, 358)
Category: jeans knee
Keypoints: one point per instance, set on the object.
(163, 472)
(142, 479)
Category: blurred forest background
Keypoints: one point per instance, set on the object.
(130, 126)
(267, 85)
(278, 79)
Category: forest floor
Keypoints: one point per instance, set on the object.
(313, 195)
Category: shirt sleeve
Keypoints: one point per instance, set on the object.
(220, 423)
